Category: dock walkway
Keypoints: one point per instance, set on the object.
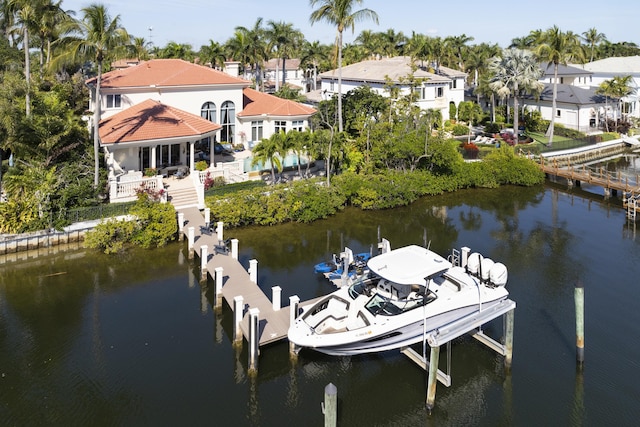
(236, 281)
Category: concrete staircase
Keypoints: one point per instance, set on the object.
(182, 196)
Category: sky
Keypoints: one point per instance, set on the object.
(499, 21)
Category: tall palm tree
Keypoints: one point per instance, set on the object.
(606, 88)
(269, 151)
(593, 38)
(341, 14)
(515, 71)
(459, 44)
(140, 48)
(286, 40)
(177, 50)
(213, 54)
(99, 38)
(312, 54)
(557, 48)
(621, 87)
(51, 17)
(250, 45)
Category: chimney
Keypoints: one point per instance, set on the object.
(232, 68)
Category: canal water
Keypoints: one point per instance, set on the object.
(130, 340)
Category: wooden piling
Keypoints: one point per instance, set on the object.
(238, 313)
(234, 249)
(330, 407)
(508, 338)
(192, 236)
(180, 226)
(432, 381)
(276, 300)
(218, 286)
(207, 217)
(579, 300)
(253, 271)
(294, 302)
(204, 258)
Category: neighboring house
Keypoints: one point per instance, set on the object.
(607, 69)
(294, 76)
(154, 113)
(576, 107)
(567, 74)
(435, 89)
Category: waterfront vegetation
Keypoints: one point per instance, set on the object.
(380, 151)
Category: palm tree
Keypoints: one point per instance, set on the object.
(459, 44)
(51, 16)
(286, 40)
(593, 38)
(269, 151)
(312, 54)
(249, 46)
(99, 38)
(341, 14)
(140, 48)
(621, 87)
(177, 50)
(558, 48)
(213, 54)
(606, 88)
(515, 71)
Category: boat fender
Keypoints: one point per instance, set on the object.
(473, 263)
(485, 267)
(498, 274)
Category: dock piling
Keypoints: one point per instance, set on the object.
(254, 339)
(234, 249)
(180, 226)
(192, 236)
(432, 381)
(204, 258)
(276, 292)
(508, 338)
(253, 270)
(207, 217)
(330, 406)
(579, 300)
(220, 231)
(294, 302)
(218, 286)
(238, 313)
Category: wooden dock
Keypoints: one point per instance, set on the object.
(236, 282)
(594, 176)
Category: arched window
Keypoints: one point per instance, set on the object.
(228, 122)
(208, 111)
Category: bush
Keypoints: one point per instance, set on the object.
(202, 165)
(460, 129)
(492, 128)
(150, 172)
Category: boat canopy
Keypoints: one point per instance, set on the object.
(409, 265)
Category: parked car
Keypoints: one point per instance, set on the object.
(222, 149)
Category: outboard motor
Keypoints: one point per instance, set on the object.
(498, 275)
(485, 267)
(473, 264)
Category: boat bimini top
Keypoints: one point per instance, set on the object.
(409, 265)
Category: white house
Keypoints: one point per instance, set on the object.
(294, 76)
(153, 114)
(435, 89)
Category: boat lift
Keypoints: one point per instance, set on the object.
(444, 335)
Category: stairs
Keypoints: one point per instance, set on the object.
(182, 197)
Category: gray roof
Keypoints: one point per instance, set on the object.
(570, 94)
(376, 71)
(564, 70)
(626, 65)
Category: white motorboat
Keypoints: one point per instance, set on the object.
(410, 291)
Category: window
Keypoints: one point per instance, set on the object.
(455, 83)
(228, 122)
(557, 113)
(418, 93)
(114, 101)
(256, 130)
(208, 111)
(297, 125)
(439, 92)
(281, 125)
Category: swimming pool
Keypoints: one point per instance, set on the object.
(290, 160)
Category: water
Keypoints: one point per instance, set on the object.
(90, 339)
(289, 161)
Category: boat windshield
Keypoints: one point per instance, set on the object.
(361, 287)
(382, 305)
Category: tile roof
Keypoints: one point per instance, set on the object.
(150, 120)
(166, 72)
(377, 70)
(259, 103)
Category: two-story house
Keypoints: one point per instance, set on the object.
(435, 89)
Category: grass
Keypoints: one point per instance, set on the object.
(559, 142)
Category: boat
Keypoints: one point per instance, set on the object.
(407, 293)
(334, 269)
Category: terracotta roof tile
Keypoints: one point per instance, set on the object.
(152, 120)
(166, 72)
(258, 103)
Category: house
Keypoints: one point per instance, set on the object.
(608, 68)
(155, 115)
(294, 76)
(435, 89)
(577, 108)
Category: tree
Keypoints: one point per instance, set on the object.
(286, 40)
(515, 71)
(99, 38)
(140, 48)
(558, 48)
(341, 14)
(213, 54)
(249, 46)
(177, 50)
(269, 151)
(312, 54)
(593, 38)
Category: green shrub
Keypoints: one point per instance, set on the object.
(460, 129)
(202, 165)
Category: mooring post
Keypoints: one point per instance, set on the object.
(192, 236)
(330, 407)
(220, 231)
(294, 302)
(508, 338)
(254, 339)
(579, 298)
(234, 249)
(204, 257)
(207, 217)
(434, 360)
(276, 300)
(238, 313)
(253, 270)
(218, 286)
(180, 226)
(465, 256)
